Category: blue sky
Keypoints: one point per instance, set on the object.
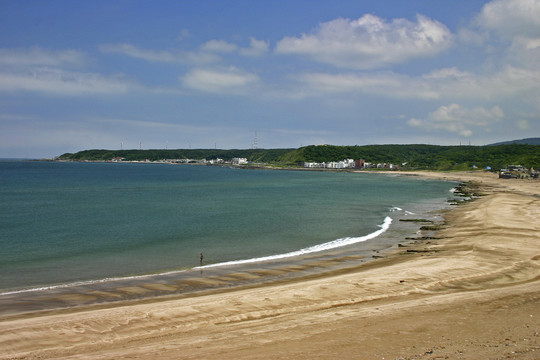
(78, 75)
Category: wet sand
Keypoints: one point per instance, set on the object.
(472, 291)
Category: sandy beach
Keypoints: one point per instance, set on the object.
(471, 291)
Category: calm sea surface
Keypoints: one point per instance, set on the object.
(70, 222)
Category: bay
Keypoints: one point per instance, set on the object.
(70, 222)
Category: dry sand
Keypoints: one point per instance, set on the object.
(472, 293)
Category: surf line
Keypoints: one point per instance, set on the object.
(315, 248)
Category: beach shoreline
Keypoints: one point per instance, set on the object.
(472, 291)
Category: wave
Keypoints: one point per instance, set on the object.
(316, 248)
(312, 249)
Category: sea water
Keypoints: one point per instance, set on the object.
(65, 222)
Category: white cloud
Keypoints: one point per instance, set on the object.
(209, 52)
(41, 57)
(68, 83)
(506, 83)
(446, 73)
(222, 81)
(457, 119)
(513, 28)
(388, 84)
(511, 18)
(256, 48)
(441, 83)
(370, 42)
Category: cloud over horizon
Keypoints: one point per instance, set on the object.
(455, 118)
(220, 81)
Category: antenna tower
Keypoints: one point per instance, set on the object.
(255, 142)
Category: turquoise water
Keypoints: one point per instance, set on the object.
(70, 222)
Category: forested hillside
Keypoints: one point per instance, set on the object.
(253, 155)
(406, 156)
(431, 156)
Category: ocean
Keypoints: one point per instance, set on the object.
(67, 223)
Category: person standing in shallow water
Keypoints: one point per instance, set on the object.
(202, 258)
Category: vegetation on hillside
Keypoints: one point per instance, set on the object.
(253, 155)
(432, 157)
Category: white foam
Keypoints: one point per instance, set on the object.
(316, 248)
(79, 283)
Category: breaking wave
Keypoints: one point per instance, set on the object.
(312, 249)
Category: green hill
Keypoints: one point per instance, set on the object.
(527, 141)
(406, 156)
(253, 155)
(431, 156)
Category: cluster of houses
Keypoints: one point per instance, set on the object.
(510, 172)
(218, 161)
(518, 172)
(350, 164)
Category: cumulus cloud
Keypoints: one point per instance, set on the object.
(513, 22)
(62, 82)
(455, 118)
(221, 81)
(37, 56)
(370, 42)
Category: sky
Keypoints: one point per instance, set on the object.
(133, 74)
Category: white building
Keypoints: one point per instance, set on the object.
(239, 161)
(215, 161)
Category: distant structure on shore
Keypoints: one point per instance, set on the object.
(350, 164)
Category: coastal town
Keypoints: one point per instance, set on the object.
(343, 164)
(509, 172)
(350, 164)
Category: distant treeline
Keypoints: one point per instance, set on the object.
(253, 155)
(433, 157)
